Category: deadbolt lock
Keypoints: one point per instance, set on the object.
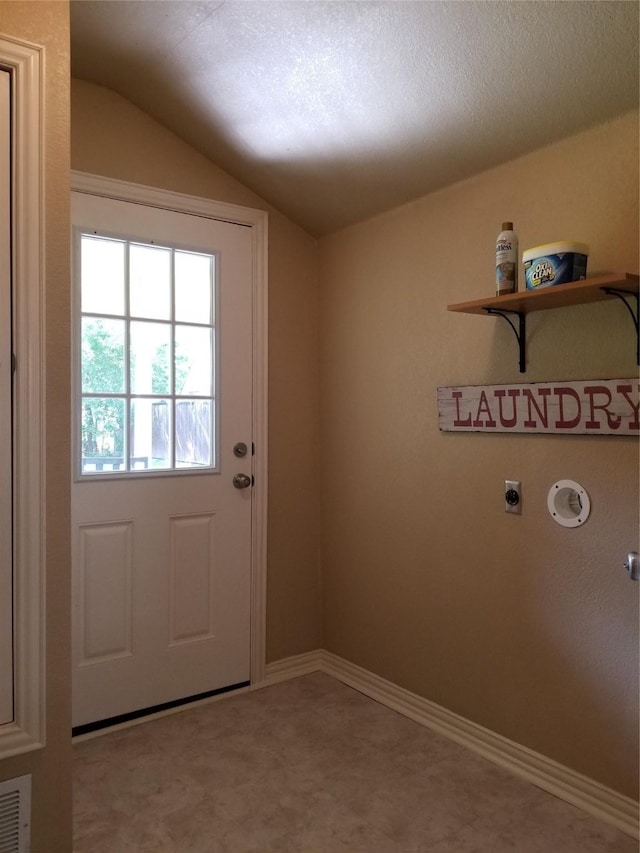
(240, 449)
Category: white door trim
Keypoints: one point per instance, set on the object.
(25, 63)
(257, 220)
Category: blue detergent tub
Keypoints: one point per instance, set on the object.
(555, 263)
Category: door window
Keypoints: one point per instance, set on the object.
(147, 370)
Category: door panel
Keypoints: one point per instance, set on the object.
(6, 413)
(162, 560)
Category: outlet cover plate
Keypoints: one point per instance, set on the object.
(512, 497)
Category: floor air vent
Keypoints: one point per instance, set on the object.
(15, 815)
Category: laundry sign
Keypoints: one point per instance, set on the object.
(591, 407)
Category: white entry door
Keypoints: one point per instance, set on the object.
(162, 416)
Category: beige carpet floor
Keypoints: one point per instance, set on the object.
(310, 766)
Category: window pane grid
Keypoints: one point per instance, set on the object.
(148, 373)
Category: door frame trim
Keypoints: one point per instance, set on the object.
(25, 63)
(257, 220)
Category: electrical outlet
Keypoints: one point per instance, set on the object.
(512, 497)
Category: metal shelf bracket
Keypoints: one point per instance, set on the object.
(520, 332)
(622, 294)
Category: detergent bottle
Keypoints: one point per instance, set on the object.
(506, 260)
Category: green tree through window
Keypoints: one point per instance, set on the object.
(102, 373)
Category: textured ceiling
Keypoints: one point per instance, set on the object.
(335, 111)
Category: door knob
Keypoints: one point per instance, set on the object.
(241, 481)
(633, 565)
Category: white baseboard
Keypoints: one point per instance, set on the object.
(293, 667)
(584, 793)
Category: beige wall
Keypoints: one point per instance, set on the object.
(525, 627)
(111, 137)
(47, 24)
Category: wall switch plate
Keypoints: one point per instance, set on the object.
(512, 497)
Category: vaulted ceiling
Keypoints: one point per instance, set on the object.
(335, 111)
